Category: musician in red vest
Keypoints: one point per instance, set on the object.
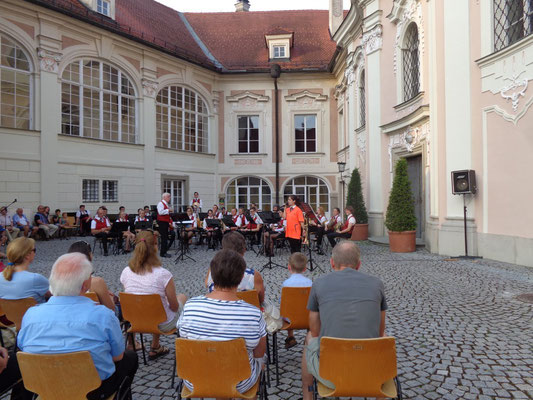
(164, 222)
(346, 229)
(100, 228)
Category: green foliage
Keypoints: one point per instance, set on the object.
(355, 198)
(401, 210)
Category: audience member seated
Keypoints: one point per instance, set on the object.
(346, 230)
(16, 282)
(6, 222)
(100, 228)
(276, 231)
(345, 303)
(23, 223)
(10, 374)
(222, 316)
(41, 221)
(71, 322)
(144, 275)
(55, 219)
(98, 285)
(251, 279)
(129, 237)
(297, 266)
(83, 220)
(64, 225)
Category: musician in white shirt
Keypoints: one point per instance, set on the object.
(164, 222)
(346, 229)
(241, 222)
(330, 226)
(216, 213)
(277, 231)
(196, 202)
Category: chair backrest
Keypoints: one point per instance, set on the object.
(15, 309)
(59, 376)
(1, 314)
(93, 296)
(358, 367)
(250, 296)
(213, 368)
(143, 311)
(294, 306)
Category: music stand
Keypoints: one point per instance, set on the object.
(270, 264)
(228, 221)
(143, 225)
(182, 221)
(216, 225)
(309, 214)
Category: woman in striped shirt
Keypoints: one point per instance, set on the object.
(222, 316)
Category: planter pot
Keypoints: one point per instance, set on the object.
(402, 242)
(360, 232)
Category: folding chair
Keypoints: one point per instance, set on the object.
(59, 376)
(214, 368)
(144, 312)
(358, 368)
(250, 296)
(15, 309)
(293, 308)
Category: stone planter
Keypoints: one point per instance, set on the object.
(360, 232)
(402, 242)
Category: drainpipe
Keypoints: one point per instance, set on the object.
(275, 72)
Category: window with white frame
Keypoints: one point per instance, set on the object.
(248, 134)
(90, 191)
(176, 188)
(109, 191)
(411, 63)
(362, 100)
(103, 7)
(182, 120)
(15, 85)
(309, 189)
(279, 51)
(98, 101)
(241, 192)
(513, 20)
(305, 134)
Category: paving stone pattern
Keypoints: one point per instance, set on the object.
(460, 332)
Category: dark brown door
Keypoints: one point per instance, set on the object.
(414, 170)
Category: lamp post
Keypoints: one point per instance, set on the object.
(342, 167)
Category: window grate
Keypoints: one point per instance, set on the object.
(513, 20)
(411, 64)
(90, 190)
(362, 99)
(110, 191)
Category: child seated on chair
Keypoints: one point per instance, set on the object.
(297, 266)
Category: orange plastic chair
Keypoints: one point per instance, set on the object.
(144, 312)
(250, 296)
(15, 309)
(293, 307)
(3, 326)
(93, 296)
(214, 368)
(358, 367)
(59, 376)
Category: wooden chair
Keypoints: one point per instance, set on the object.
(214, 368)
(93, 296)
(250, 296)
(3, 326)
(359, 368)
(144, 312)
(293, 307)
(59, 376)
(15, 309)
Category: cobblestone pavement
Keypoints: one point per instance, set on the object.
(461, 333)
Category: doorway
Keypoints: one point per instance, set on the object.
(414, 171)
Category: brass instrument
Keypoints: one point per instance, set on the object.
(305, 233)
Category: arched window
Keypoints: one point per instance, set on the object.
(362, 100)
(15, 85)
(310, 190)
(248, 189)
(411, 63)
(181, 120)
(97, 101)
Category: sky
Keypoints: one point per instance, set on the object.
(255, 5)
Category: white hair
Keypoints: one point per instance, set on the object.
(68, 274)
(165, 194)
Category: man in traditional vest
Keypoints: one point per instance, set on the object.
(100, 228)
(164, 221)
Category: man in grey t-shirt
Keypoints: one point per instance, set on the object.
(346, 304)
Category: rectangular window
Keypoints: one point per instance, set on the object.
(249, 134)
(109, 191)
(305, 133)
(90, 191)
(176, 188)
(279, 52)
(513, 20)
(362, 99)
(103, 7)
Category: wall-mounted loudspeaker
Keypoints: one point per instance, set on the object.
(464, 182)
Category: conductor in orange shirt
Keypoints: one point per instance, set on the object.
(295, 223)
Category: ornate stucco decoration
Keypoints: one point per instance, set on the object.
(305, 97)
(247, 100)
(514, 90)
(372, 39)
(215, 97)
(49, 60)
(149, 87)
(361, 146)
(349, 75)
(409, 140)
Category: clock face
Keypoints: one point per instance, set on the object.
(337, 8)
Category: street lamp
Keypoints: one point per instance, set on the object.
(342, 167)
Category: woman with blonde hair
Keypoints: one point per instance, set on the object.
(16, 282)
(145, 275)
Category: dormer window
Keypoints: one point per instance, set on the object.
(279, 52)
(103, 7)
(279, 43)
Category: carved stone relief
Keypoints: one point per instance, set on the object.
(149, 87)
(49, 60)
(514, 90)
(409, 140)
(372, 40)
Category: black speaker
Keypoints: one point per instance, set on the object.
(464, 182)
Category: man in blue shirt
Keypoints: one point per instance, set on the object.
(41, 220)
(23, 223)
(71, 322)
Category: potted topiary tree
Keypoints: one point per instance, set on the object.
(400, 219)
(356, 200)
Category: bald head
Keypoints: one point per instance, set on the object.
(346, 254)
(69, 273)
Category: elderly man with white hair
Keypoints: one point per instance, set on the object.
(71, 322)
(164, 222)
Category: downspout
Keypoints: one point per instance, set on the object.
(275, 72)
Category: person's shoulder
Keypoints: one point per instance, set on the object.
(370, 278)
